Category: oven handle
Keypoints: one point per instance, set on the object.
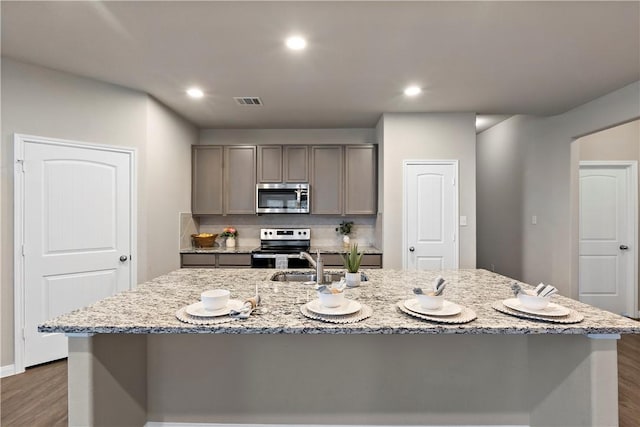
(273, 256)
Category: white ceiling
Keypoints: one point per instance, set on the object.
(485, 57)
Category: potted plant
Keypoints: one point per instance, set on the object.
(351, 262)
(345, 229)
(230, 233)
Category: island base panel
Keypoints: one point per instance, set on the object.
(107, 380)
(536, 380)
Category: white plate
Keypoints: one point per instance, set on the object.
(349, 307)
(198, 309)
(553, 310)
(448, 308)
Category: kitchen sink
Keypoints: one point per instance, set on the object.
(310, 276)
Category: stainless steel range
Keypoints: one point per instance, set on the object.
(281, 247)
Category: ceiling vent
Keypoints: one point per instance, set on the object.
(248, 100)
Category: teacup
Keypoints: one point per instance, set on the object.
(215, 299)
(331, 300)
(533, 302)
(430, 302)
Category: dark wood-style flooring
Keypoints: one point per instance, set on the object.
(39, 396)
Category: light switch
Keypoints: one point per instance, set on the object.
(534, 219)
(463, 220)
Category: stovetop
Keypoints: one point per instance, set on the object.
(284, 240)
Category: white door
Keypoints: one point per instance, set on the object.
(431, 210)
(77, 228)
(607, 237)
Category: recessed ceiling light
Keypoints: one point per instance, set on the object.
(412, 91)
(195, 92)
(296, 43)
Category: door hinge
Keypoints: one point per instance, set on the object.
(22, 165)
(453, 181)
(22, 249)
(453, 237)
(24, 333)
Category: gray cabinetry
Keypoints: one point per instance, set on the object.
(295, 161)
(360, 197)
(215, 260)
(288, 163)
(206, 185)
(240, 179)
(368, 261)
(269, 163)
(327, 181)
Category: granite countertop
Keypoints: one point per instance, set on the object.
(219, 250)
(248, 249)
(339, 249)
(151, 308)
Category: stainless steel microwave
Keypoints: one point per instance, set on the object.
(282, 198)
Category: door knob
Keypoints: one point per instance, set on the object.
(123, 258)
(411, 249)
(624, 247)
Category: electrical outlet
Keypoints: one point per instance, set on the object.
(493, 268)
(463, 220)
(534, 220)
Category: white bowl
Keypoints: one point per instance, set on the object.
(533, 302)
(331, 300)
(215, 299)
(430, 302)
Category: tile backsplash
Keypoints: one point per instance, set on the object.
(323, 228)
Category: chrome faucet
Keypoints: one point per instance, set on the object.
(318, 264)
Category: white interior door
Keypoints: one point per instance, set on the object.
(607, 237)
(77, 235)
(431, 210)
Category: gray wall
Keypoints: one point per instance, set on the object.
(425, 136)
(44, 102)
(538, 184)
(286, 136)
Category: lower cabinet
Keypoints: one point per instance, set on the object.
(215, 260)
(368, 260)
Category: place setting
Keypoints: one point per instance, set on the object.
(216, 306)
(332, 305)
(537, 305)
(432, 306)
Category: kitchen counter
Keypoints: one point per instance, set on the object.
(219, 250)
(131, 362)
(247, 250)
(152, 306)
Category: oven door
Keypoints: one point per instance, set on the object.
(262, 260)
(282, 198)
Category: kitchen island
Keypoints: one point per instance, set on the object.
(131, 361)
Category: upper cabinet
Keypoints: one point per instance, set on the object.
(361, 180)
(240, 179)
(278, 163)
(327, 179)
(295, 162)
(343, 178)
(206, 182)
(269, 163)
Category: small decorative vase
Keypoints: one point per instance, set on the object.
(231, 242)
(352, 279)
(345, 241)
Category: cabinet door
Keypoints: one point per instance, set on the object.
(326, 179)
(361, 182)
(240, 179)
(269, 163)
(296, 163)
(206, 179)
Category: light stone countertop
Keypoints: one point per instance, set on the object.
(151, 308)
(219, 250)
(248, 249)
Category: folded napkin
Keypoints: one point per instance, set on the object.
(336, 287)
(541, 290)
(247, 308)
(438, 287)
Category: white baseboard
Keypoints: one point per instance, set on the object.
(170, 424)
(8, 370)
